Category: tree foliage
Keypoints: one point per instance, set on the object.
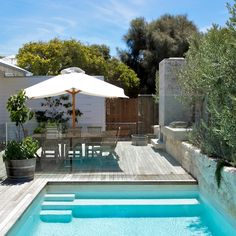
(19, 112)
(150, 43)
(208, 79)
(26, 149)
(122, 76)
(49, 58)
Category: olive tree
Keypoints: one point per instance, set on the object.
(208, 79)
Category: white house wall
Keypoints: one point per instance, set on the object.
(93, 108)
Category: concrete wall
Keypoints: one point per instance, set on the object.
(170, 107)
(93, 108)
(203, 169)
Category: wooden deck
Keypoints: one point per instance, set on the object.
(134, 164)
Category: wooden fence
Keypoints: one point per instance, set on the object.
(148, 114)
(135, 115)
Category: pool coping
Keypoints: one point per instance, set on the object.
(159, 182)
(28, 199)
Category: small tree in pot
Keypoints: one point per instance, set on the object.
(19, 155)
(19, 112)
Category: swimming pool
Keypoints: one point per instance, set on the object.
(121, 209)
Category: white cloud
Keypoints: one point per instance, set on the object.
(91, 21)
(68, 22)
(115, 12)
(204, 29)
(140, 2)
(31, 29)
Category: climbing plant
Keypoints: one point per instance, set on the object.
(56, 110)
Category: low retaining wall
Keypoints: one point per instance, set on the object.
(203, 169)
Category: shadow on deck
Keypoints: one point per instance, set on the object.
(128, 162)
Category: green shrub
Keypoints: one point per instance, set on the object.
(30, 147)
(25, 149)
(208, 80)
(39, 130)
(13, 151)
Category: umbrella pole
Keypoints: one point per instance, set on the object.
(73, 93)
(73, 109)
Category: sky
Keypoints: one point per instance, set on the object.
(94, 21)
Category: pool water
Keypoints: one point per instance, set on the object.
(121, 210)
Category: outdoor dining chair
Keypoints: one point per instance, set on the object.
(93, 145)
(94, 129)
(73, 136)
(50, 149)
(73, 132)
(52, 133)
(108, 144)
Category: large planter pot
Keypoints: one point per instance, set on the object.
(139, 139)
(20, 169)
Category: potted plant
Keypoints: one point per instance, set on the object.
(20, 158)
(20, 155)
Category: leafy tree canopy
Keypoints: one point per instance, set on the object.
(123, 76)
(49, 58)
(149, 43)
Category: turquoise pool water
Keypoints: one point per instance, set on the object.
(121, 210)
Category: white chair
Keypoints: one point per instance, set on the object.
(50, 149)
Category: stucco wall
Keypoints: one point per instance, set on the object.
(203, 169)
(170, 107)
(93, 108)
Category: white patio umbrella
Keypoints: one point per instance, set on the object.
(73, 83)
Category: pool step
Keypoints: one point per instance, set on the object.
(59, 197)
(59, 205)
(63, 216)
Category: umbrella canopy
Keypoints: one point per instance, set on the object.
(73, 83)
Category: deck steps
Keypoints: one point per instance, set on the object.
(59, 197)
(157, 144)
(63, 216)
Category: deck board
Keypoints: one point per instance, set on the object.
(135, 164)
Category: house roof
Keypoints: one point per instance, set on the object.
(10, 59)
(14, 67)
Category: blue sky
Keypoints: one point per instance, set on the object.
(94, 21)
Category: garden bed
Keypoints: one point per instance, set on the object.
(203, 169)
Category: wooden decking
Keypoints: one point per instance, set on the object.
(133, 164)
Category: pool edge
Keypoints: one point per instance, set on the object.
(13, 218)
